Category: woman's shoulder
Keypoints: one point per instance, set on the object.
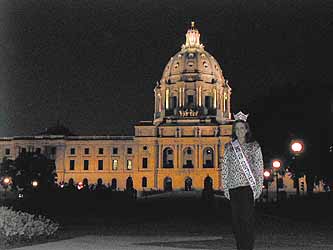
(254, 144)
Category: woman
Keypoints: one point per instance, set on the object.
(242, 176)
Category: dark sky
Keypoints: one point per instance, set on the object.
(93, 64)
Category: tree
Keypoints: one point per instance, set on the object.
(7, 167)
(29, 167)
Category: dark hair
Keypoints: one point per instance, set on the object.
(248, 136)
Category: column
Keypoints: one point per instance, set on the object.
(200, 96)
(157, 160)
(180, 97)
(179, 156)
(216, 158)
(199, 155)
(159, 102)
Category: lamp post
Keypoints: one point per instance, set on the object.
(276, 166)
(6, 182)
(297, 147)
(267, 174)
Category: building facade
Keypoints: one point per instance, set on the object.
(181, 148)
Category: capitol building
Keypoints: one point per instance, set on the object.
(180, 148)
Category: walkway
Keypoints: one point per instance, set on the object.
(93, 242)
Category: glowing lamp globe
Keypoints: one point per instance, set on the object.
(80, 185)
(276, 164)
(6, 180)
(297, 147)
(35, 183)
(267, 174)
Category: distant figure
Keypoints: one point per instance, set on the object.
(242, 175)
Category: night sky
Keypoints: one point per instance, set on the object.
(93, 65)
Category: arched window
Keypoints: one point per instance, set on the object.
(208, 183)
(188, 184)
(99, 181)
(188, 157)
(129, 183)
(168, 158)
(85, 182)
(208, 158)
(114, 184)
(144, 182)
(167, 184)
(71, 181)
(100, 186)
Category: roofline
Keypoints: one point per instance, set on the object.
(63, 137)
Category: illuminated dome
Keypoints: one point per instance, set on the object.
(192, 63)
(192, 86)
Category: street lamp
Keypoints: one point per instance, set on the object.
(6, 182)
(297, 147)
(80, 185)
(267, 174)
(34, 184)
(276, 166)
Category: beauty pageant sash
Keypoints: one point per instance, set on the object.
(244, 165)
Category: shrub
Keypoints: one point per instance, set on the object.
(20, 226)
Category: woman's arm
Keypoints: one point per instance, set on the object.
(225, 171)
(259, 170)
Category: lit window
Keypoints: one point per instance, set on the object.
(114, 164)
(129, 164)
(100, 164)
(85, 164)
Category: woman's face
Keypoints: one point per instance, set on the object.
(240, 130)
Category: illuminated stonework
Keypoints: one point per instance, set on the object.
(182, 147)
(192, 85)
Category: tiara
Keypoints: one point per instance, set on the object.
(240, 116)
